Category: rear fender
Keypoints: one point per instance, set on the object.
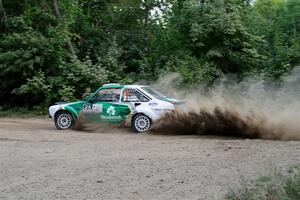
(148, 112)
(141, 110)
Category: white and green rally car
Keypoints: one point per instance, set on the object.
(127, 105)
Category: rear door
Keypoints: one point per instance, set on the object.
(134, 97)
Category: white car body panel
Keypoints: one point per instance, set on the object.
(155, 108)
(53, 109)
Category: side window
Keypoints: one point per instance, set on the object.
(132, 95)
(107, 95)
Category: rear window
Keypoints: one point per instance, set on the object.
(154, 93)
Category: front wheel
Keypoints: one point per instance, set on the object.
(63, 120)
(141, 123)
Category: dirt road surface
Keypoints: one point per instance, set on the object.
(39, 162)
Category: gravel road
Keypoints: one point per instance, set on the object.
(39, 162)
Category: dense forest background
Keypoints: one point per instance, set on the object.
(54, 50)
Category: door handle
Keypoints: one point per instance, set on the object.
(137, 104)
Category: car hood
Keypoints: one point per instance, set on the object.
(171, 100)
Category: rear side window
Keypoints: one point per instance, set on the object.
(107, 95)
(132, 95)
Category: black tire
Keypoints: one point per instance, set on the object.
(141, 123)
(63, 120)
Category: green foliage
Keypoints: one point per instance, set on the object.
(195, 70)
(61, 50)
(278, 21)
(36, 66)
(277, 186)
(215, 34)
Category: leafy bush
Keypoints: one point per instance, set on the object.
(193, 70)
(277, 186)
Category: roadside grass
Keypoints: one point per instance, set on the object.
(23, 112)
(277, 186)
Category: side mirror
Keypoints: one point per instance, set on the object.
(91, 101)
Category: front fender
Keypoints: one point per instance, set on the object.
(72, 111)
(53, 109)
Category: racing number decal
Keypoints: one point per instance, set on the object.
(92, 108)
(87, 108)
(98, 108)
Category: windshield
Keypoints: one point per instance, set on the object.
(154, 93)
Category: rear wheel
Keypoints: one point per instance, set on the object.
(63, 120)
(141, 123)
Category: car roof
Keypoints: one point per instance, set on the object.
(134, 86)
(116, 85)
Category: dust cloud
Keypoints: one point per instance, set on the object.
(252, 108)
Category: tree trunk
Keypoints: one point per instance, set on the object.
(2, 10)
(295, 28)
(69, 43)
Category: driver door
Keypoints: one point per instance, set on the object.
(105, 107)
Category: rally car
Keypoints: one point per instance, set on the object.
(137, 106)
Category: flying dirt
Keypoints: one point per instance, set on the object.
(222, 122)
(253, 108)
